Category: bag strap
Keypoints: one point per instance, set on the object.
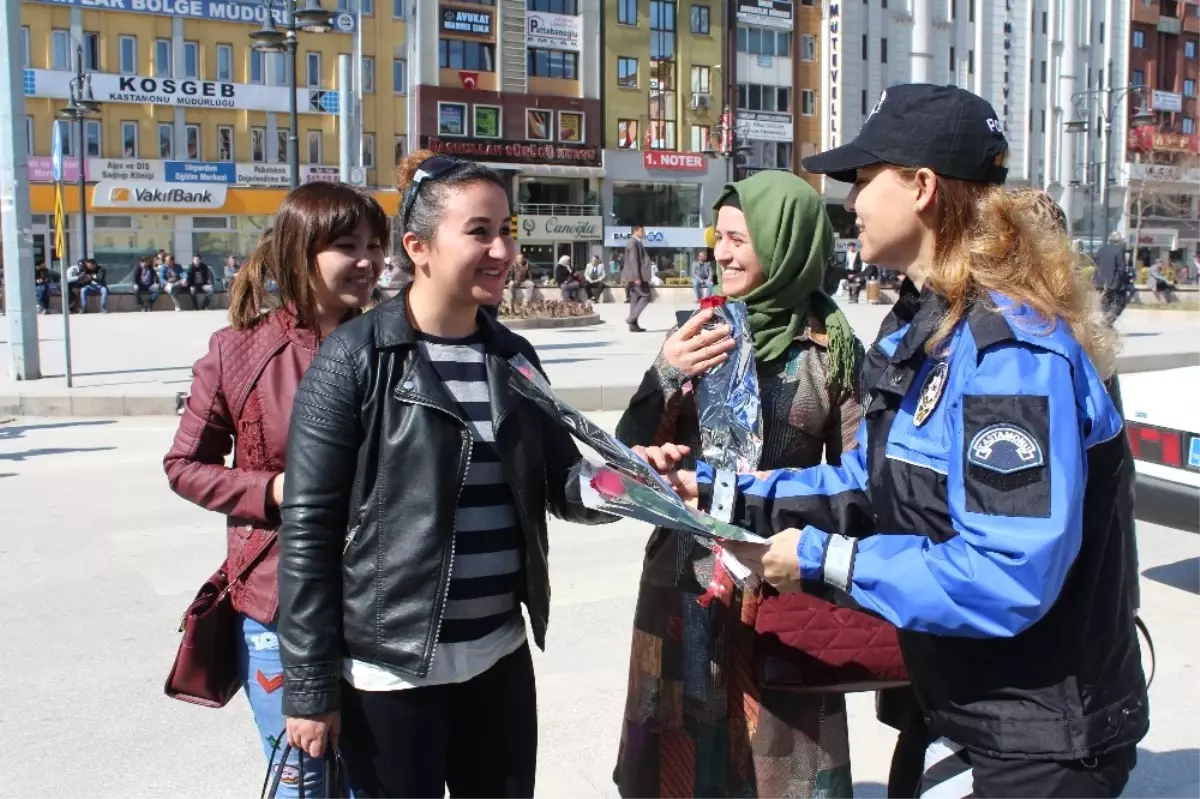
(1141, 625)
(333, 780)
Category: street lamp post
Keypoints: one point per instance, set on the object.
(82, 105)
(1108, 101)
(281, 38)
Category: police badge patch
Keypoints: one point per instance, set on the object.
(1005, 448)
(931, 392)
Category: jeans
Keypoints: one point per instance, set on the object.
(262, 677)
(92, 288)
(146, 297)
(201, 293)
(42, 292)
(172, 289)
(703, 288)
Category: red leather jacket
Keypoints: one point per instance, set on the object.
(241, 400)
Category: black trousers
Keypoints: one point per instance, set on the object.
(478, 738)
(1102, 777)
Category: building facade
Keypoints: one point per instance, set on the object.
(193, 123)
(516, 85)
(664, 101)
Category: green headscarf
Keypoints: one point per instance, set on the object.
(794, 240)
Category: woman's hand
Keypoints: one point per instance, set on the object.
(776, 561)
(664, 459)
(312, 734)
(276, 489)
(694, 351)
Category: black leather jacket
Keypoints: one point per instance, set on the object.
(376, 458)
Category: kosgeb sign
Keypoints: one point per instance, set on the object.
(214, 10)
(515, 152)
(768, 13)
(185, 92)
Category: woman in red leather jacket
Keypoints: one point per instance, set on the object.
(325, 252)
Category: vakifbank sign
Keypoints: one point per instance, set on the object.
(148, 196)
(214, 10)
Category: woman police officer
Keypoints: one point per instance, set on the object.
(989, 447)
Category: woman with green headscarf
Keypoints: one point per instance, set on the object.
(696, 722)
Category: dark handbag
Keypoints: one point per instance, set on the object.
(335, 772)
(205, 669)
(805, 644)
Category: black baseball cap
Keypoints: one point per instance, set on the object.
(943, 128)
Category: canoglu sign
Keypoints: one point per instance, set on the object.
(137, 196)
(214, 10)
(184, 92)
(561, 228)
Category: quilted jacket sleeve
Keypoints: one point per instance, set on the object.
(195, 464)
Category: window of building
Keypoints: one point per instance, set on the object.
(225, 142)
(1189, 48)
(277, 69)
(627, 12)
(60, 49)
(953, 63)
(91, 51)
(1043, 71)
(657, 204)
(702, 80)
(258, 145)
(64, 132)
(1139, 39)
(129, 139)
(552, 64)
(570, 7)
(368, 150)
(701, 22)
(400, 145)
(627, 72)
(460, 54)
(191, 137)
(662, 30)
(1136, 78)
(883, 50)
(312, 67)
(367, 7)
(28, 135)
(758, 97)
(257, 70)
(25, 62)
(1043, 121)
(808, 47)
(398, 9)
(191, 59)
(764, 41)
(970, 62)
(808, 102)
(282, 144)
(166, 140)
(127, 55)
(865, 47)
(314, 147)
(224, 62)
(701, 138)
(399, 76)
(1045, 22)
(162, 58)
(1189, 87)
(1101, 31)
(776, 155)
(1188, 126)
(91, 138)
(863, 103)
(368, 74)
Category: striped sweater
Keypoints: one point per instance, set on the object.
(482, 621)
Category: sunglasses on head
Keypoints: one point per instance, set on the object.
(431, 169)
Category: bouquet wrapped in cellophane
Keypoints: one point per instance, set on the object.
(727, 401)
(624, 484)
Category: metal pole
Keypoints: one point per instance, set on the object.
(345, 119)
(17, 231)
(83, 234)
(64, 290)
(293, 132)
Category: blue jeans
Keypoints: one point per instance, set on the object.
(42, 292)
(262, 677)
(92, 288)
(702, 288)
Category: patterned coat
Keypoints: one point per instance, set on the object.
(696, 723)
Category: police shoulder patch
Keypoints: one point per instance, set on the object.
(1005, 448)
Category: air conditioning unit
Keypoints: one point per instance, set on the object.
(701, 100)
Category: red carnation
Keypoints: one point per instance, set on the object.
(608, 483)
(712, 302)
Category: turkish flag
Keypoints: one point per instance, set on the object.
(469, 79)
(1143, 138)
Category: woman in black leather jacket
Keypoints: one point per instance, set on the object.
(414, 517)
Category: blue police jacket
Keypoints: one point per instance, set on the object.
(985, 465)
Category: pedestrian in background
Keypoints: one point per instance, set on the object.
(1110, 277)
(414, 518)
(593, 278)
(146, 285)
(172, 279)
(325, 251)
(200, 284)
(702, 275)
(637, 272)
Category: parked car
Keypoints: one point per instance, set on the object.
(1164, 433)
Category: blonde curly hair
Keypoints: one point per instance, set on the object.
(1012, 242)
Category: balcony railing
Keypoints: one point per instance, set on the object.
(554, 209)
